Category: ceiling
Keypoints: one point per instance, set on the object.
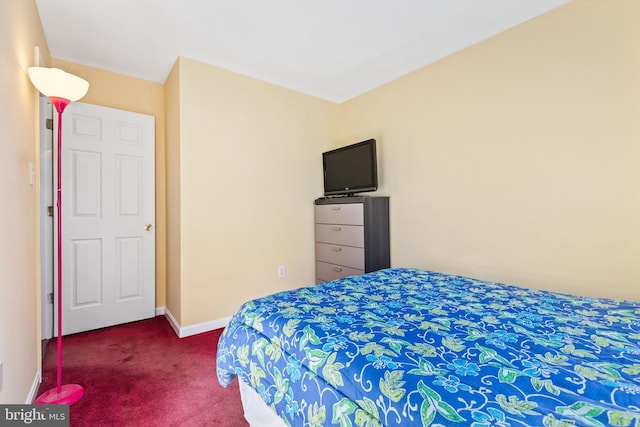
(331, 49)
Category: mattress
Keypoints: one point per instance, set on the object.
(407, 347)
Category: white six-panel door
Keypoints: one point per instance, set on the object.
(108, 217)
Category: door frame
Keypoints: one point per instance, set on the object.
(46, 221)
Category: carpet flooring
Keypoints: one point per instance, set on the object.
(142, 374)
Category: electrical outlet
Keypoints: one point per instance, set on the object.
(282, 271)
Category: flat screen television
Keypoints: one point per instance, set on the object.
(351, 169)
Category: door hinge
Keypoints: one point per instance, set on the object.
(49, 123)
(50, 210)
(50, 297)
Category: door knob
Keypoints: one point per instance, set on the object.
(148, 227)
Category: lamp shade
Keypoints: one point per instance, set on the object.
(58, 83)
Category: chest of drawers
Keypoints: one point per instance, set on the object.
(351, 236)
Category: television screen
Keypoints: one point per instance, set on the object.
(351, 169)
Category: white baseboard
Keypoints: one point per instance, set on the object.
(173, 322)
(204, 327)
(198, 328)
(160, 311)
(34, 388)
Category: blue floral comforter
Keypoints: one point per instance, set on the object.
(406, 347)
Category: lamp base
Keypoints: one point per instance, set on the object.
(69, 394)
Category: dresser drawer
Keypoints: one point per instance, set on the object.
(328, 272)
(341, 255)
(347, 213)
(349, 235)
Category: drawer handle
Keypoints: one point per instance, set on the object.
(335, 249)
(337, 269)
(336, 228)
(336, 208)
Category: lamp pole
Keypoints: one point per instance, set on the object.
(62, 88)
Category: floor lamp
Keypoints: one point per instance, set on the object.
(61, 88)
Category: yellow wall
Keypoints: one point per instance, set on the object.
(518, 159)
(20, 32)
(172, 95)
(141, 96)
(249, 170)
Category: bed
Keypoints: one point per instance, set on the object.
(408, 347)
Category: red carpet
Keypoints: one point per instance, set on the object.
(142, 374)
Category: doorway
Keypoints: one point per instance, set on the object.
(108, 216)
(45, 212)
